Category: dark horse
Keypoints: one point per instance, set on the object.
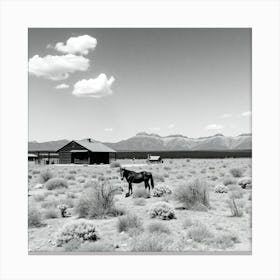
(136, 177)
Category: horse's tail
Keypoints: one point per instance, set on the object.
(152, 181)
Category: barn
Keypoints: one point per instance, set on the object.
(85, 151)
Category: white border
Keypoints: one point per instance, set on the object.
(17, 16)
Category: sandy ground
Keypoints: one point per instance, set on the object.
(171, 173)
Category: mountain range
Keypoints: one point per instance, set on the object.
(153, 142)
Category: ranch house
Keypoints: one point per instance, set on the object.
(85, 151)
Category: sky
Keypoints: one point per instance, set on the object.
(111, 83)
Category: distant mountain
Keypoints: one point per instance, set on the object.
(46, 146)
(154, 142)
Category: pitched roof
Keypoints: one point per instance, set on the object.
(95, 146)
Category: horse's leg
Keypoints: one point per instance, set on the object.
(130, 188)
(147, 185)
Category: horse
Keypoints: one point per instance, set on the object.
(136, 177)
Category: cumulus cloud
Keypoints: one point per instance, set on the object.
(246, 114)
(108, 129)
(225, 116)
(98, 87)
(171, 125)
(77, 45)
(62, 86)
(55, 67)
(214, 127)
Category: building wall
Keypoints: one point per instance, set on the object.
(65, 156)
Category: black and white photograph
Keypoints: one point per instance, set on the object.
(139, 140)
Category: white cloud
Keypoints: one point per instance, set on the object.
(62, 86)
(171, 125)
(56, 67)
(246, 114)
(97, 87)
(108, 129)
(225, 116)
(77, 45)
(214, 127)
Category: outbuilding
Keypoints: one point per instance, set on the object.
(85, 151)
(154, 159)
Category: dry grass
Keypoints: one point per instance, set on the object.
(97, 202)
(153, 235)
(193, 193)
(129, 222)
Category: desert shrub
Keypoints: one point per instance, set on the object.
(221, 189)
(56, 183)
(166, 175)
(199, 232)
(236, 172)
(98, 246)
(224, 240)
(97, 202)
(45, 175)
(34, 217)
(81, 180)
(139, 201)
(167, 168)
(129, 222)
(235, 192)
(101, 178)
(229, 181)
(161, 190)
(91, 184)
(236, 206)
(81, 230)
(35, 171)
(203, 171)
(200, 207)
(162, 210)
(71, 195)
(70, 177)
(115, 164)
(250, 196)
(158, 177)
(188, 222)
(63, 210)
(158, 227)
(51, 213)
(245, 183)
(39, 197)
(72, 245)
(180, 176)
(50, 203)
(214, 178)
(139, 192)
(148, 242)
(193, 193)
(29, 176)
(68, 201)
(72, 171)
